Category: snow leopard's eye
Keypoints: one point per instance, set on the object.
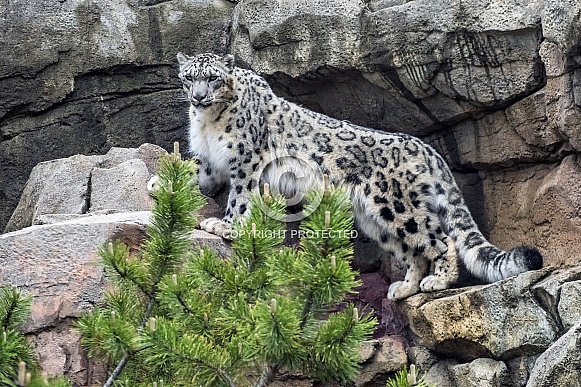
(188, 77)
(213, 78)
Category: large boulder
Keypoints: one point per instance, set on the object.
(482, 373)
(81, 184)
(501, 321)
(560, 365)
(58, 265)
(521, 330)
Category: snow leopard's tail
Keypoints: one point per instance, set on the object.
(481, 258)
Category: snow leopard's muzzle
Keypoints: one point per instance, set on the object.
(200, 94)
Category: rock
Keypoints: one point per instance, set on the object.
(548, 291)
(59, 349)
(482, 373)
(569, 307)
(384, 58)
(210, 210)
(520, 369)
(560, 365)
(502, 320)
(76, 185)
(440, 374)
(58, 218)
(123, 187)
(150, 155)
(56, 264)
(474, 144)
(55, 187)
(556, 201)
(389, 355)
(531, 206)
(561, 23)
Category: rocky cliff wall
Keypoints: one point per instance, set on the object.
(495, 86)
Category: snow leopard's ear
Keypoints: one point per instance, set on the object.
(182, 59)
(228, 61)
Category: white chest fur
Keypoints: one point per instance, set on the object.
(205, 140)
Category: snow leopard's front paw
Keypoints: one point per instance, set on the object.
(432, 283)
(153, 184)
(400, 290)
(217, 227)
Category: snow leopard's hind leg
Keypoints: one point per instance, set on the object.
(446, 270)
(415, 262)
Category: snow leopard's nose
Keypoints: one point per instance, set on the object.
(198, 92)
(198, 96)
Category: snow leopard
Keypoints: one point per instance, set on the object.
(403, 192)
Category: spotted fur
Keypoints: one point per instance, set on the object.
(404, 195)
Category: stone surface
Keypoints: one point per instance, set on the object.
(57, 265)
(405, 67)
(439, 374)
(557, 201)
(59, 351)
(482, 373)
(502, 320)
(115, 182)
(560, 365)
(389, 356)
(569, 307)
(71, 179)
(123, 187)
(520, 369)
(548, 291)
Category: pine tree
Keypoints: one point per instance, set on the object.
(18, 366)
(184, 316)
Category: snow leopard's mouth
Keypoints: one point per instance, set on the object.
(201, 104)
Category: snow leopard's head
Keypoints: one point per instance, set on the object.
(206, 78)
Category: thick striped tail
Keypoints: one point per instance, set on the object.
(482, 259)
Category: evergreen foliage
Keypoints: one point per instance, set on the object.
(236, 321)
(405, 378)
(16, 354)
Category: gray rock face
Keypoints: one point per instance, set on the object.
(522, 331)
(57, 265)
(569, 307)
(502, 320)
(420, 64)
(80, 184)
(560, 365)
(123, 187)
(482, 373)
